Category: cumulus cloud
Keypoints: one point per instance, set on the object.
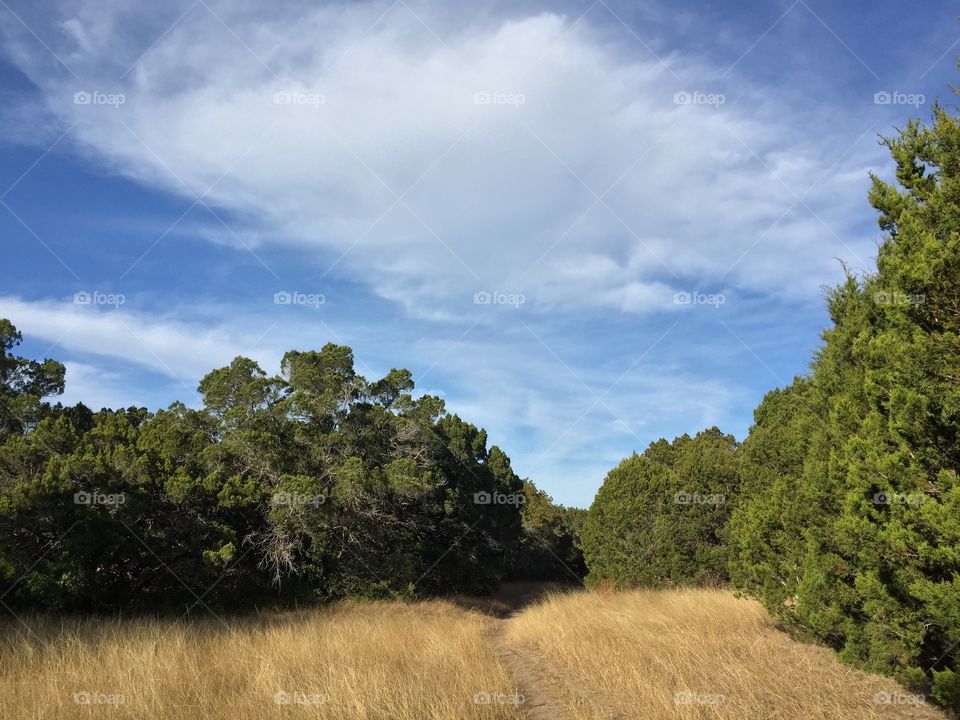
(429, 158)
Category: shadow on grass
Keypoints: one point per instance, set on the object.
(512, 597)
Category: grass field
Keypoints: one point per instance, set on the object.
(410, 662)
(652, 655)
(692, 654)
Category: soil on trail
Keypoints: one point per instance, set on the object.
(540, 697)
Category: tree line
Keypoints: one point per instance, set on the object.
(309, 486)
(841, 509)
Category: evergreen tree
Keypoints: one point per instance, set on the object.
(659, 518)
(312, 485)
(850, 525)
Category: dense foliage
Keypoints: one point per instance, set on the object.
(850, 528)
(312, 485)
(659, 518)
(846, 523)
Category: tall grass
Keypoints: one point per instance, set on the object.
(580, 656)
(693, 654)
(367, 661)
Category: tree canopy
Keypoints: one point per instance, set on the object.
(659, 518)
(310, 485)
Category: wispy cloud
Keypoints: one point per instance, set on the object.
(421, 157)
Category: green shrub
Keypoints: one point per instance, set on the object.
(659, 518)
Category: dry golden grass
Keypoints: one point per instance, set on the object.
(402, 662)
(691, 654)
(580, 656)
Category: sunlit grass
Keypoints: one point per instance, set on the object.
(387, 660)
(693, 654)
(584, 655)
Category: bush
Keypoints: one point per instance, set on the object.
(550, 541)
(849, 529)
(659, 519)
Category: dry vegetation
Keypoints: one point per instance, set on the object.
(581, 656)
(692, 654)
(402, 662)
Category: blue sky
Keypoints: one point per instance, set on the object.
(651, 195)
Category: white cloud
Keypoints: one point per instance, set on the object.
(503, 194)
(182, 351)
(566, 423)
(98, 388)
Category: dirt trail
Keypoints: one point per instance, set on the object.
(540, 700)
